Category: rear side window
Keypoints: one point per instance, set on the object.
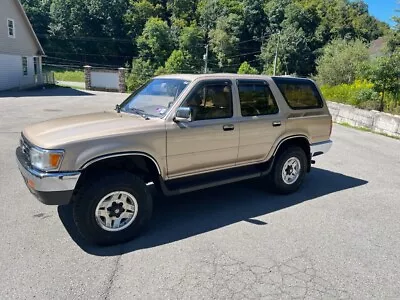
(299, 94)
(256, 99)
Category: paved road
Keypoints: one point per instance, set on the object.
(338, 238)
(74, 84)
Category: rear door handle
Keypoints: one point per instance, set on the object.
(276, 123)
(228, 127)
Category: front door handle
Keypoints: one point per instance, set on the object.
(276, 123)
(228, 127)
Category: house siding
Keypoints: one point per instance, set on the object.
(23, 43)
(11, 75)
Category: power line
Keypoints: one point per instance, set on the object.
(79, 61)
(84, 38)
(90, 54)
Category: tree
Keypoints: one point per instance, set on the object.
(138, 13)
(246, 68)
(224, 40)
(155, 43)
(341, 61)
(177, 63)
(384, 73)
(38, 14)
(191, 42)
(142, 71)
(294, 53)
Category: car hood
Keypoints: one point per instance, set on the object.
(56, 133)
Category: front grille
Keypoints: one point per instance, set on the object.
(25, 149)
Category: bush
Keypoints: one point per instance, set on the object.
(246, 68)
(361, 94)
(141, 72)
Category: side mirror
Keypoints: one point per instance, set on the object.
(183, 114)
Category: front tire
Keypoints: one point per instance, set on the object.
(289, 170)
(112, 209)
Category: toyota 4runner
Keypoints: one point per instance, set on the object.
(180, 132)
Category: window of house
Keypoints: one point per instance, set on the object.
(211, 101)
(11, 28)
(36, 65)
(299, 93)
(25, 65)
(256, 99)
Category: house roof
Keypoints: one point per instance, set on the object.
(21, 8)
(376, 47)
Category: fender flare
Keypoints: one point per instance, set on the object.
(112, 155)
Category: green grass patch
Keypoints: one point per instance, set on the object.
(75, 76)
(365, 129)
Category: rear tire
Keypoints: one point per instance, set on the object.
(112, 209)
(289, 170)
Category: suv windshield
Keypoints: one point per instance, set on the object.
(154, 98)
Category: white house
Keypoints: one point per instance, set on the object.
(20, 50)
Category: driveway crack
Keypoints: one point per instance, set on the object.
(110, 281)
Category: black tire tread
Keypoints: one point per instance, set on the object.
(275, 176)
(101, 184)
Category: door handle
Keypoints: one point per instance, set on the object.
(228, 127)
(276, 123)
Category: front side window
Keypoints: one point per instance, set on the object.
(10, 28)
(154, 98)
(299, 93)
(210, 101)
(256, 99)
(25, 65)
(36, 65)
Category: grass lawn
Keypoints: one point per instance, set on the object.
(75, 76)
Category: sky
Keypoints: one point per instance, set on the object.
(383, 10)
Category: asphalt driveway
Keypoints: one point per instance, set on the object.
(337, 238)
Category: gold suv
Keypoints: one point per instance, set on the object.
(180, 132)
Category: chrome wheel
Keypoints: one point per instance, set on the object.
(116, 211)
(291, 170)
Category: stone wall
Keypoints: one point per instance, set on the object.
(374, 120)
(112, 80)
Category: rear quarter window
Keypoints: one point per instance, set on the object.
(299, 93)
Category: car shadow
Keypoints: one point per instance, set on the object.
(187, 215)
(50, 91)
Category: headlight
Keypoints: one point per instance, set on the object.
(46, 160)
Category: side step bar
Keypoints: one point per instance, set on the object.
(187, 188)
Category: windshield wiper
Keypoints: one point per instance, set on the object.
(139, 112)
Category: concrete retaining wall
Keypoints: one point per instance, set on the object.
(374, 120)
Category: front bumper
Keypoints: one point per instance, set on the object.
(53, 188)
(320, 148)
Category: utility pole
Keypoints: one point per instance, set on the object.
(205, 57)
(276, 53)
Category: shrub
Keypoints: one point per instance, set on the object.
(361, 94)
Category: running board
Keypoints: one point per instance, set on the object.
(210, 180)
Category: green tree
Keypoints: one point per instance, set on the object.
(191, 42)
(384, 73)
(224, 40)
(155, 43)
(246, 68)
(38, 14)
(341, 62)
(294, 53)
(138, 13)
(142, 71)
(177, 63)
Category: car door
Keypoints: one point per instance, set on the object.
(210, 140)
(261, 122)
